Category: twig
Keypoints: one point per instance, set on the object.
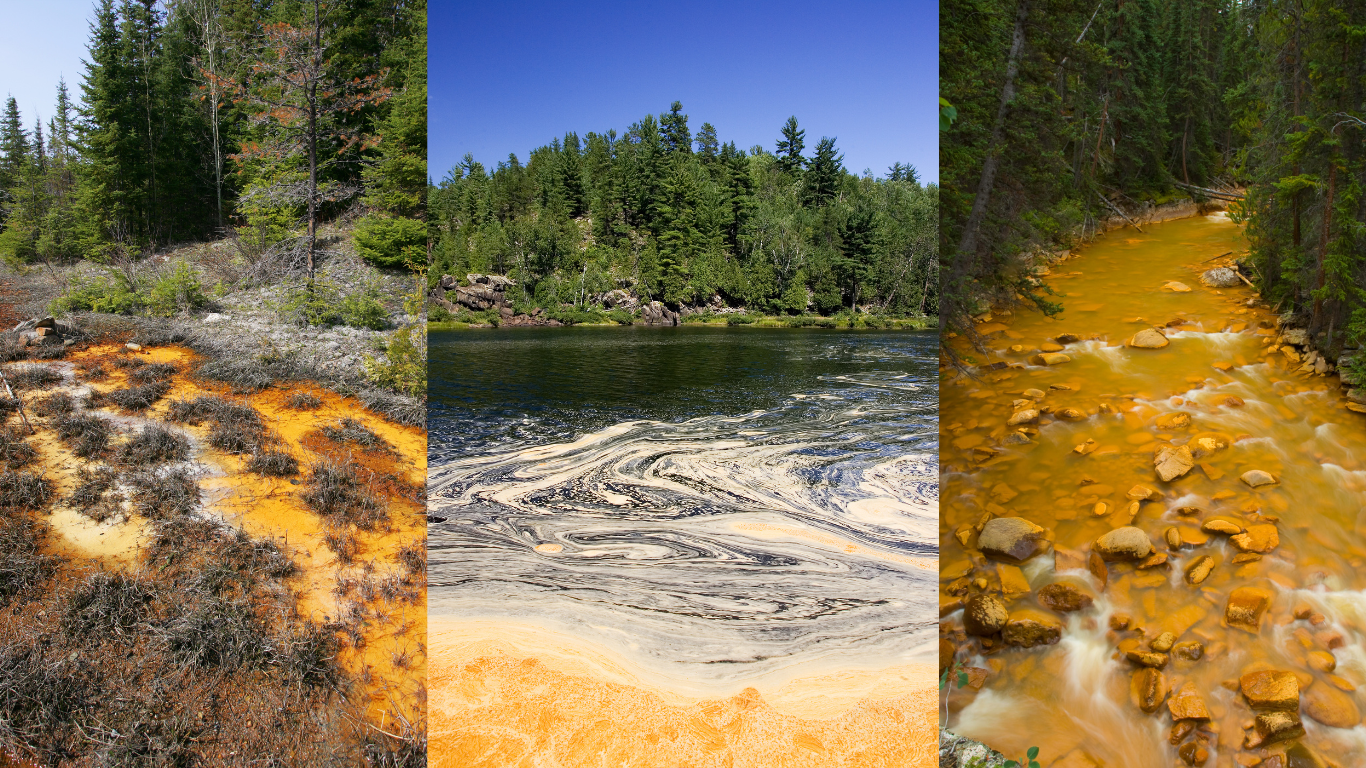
(16, 399)
(1116, 209)
(1220, 256)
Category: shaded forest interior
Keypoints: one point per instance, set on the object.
(691, 221)
(1062, 112)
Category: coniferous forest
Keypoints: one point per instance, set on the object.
(1060, 112)
(693, 221)
(195, 119)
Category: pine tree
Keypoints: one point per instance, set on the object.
(790, 147)
(822, 179)
(707, 147)
(674, 128)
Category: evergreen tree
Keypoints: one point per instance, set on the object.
(822, 179)
(790, 147)
(674, 129)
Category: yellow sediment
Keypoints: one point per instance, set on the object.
(510, 694)
(392, 660)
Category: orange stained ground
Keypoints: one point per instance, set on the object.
(495, 706)
(1073, 699)
(393, 658)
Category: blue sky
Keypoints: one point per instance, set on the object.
(40, 42)
(508, 76)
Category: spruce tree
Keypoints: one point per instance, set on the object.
(790, 147)
(822, 179)
(674, 129)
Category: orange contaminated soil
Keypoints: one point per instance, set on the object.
(389, 657)
(494, 704)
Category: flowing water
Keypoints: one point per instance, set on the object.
(707, 543)
(1250, 408)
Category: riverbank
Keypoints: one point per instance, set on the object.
(1151, 514)
(874, 323)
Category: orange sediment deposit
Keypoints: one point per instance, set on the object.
(1176, 522)
(372, 598)
(507, 694)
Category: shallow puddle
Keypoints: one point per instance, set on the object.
(1106, 415)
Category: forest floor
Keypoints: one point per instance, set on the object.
(215, 553)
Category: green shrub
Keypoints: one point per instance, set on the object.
(324, 304)
(741, 320)
(437, 314)
(392, 243)
(177, 292)
(621, 317)
(111, 294)
(404, 366)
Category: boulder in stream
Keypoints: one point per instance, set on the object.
(1220, 277)
(1187, 704)
(1271, 689)
(1148, 688)
(1011, 539)
(1257, 478)
(984, 615)
(1064, 598)
(1245, 608)
(1028, 628)
(1126, 543)
(1173, 461)
(1148, 338)
(1331, 707)
(1271, 727)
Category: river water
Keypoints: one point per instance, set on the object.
(687, 512)
(1249, 408)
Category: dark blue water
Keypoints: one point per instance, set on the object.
(491, 390)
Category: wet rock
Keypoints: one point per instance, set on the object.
(1096, 565)
(1142, 493)
(1233, 401)
(1011, 539)
(1013, 581)
(1187, 704)
(1220, 277)
(1149, 338)
(1190, 650)
(1163, 642)
(1331, 707)
(1299, 756)
(1208, 443)
(1173, 537)
(1177, 286)
(1297, 336)
(1028, 628)
(1127, 543)
(1145, 659)
(1174, 420)
(1065, 559)
(1067, 338)
(1271, 727)
(1152, 561)
(1245, 608)
(1221, 525)
(1027, 416)
(1271, 689)
(1322, 661)
(1199, 569)
(1257, 478)
(1033, 394)
(1260, 538)
(1015, 438)
(1172, 462)
(1049, 346)
(1070, 414)
(1119, 621)
(1192, 753)
(1086, 448)
(1148, 689)
(984, 615)
(1064, 598)
(1050, 358)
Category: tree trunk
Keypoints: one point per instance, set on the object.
(313, 143)
(967, 244)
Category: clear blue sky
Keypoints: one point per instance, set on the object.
(40, 42)
(508, 76)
